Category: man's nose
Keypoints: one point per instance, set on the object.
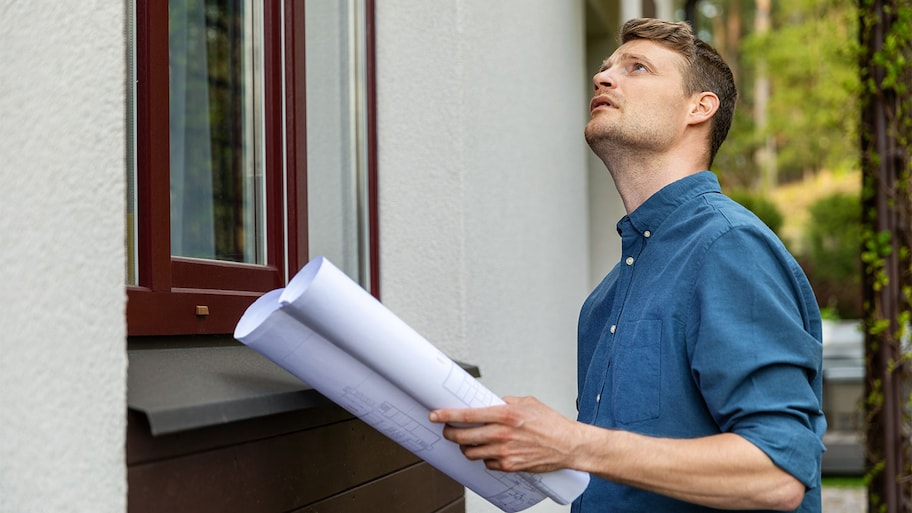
(604, 79)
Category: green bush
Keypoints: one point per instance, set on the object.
(762, 207)
(832, 259)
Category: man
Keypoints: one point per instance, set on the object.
(700, 353)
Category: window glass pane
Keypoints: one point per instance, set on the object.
(217, 204)
(336, 134)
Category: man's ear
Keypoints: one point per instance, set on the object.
(703, 107)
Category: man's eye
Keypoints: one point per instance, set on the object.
(639, 67)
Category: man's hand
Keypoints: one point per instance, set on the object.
(722, 471)
(522, 435)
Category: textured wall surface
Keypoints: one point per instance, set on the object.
(483, 209)
(62, 350)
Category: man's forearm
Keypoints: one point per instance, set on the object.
(723, 471)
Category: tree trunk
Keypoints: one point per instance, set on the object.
(765, 156)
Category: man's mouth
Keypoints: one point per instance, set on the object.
(601, 101)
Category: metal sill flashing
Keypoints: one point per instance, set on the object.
(183, 388)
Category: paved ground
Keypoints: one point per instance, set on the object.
(844, 500)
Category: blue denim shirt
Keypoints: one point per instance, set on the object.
(706, 325)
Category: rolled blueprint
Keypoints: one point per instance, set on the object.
(329, 332)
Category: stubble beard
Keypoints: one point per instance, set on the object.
(615, 142)
(609, 140)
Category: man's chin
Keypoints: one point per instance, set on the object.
(595, 131)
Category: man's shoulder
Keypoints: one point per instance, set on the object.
(710, 215)
(721, 212)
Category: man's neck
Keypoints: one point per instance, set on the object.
(637, 179)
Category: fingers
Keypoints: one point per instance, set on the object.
(501, 414)
(505, 454)
(474, 430)
(476, 434)
(481, 444)
(518, 435)
(467, 416)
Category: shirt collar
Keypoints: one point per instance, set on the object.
(653, 212)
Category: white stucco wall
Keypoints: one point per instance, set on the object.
(482, 164)
(62, 354)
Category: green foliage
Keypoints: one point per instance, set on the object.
(832, 244)
(762, 207)
(809, 57)
(877, 246)
(813, 111)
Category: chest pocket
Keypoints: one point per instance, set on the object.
(637, 377)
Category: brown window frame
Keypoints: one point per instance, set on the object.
(180, 296)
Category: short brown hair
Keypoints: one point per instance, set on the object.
(704, 69)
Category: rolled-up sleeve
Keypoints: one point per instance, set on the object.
(756, 354)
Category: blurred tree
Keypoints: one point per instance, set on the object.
(765, 155)
(810, 119)
(813, 109)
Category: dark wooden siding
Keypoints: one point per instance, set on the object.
(317, 460)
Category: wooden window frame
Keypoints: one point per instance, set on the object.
(180, 296)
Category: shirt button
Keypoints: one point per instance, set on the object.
(613, 328)
(598, 398)
(629, 260)
(647, 234)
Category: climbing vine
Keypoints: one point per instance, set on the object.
(885, 55)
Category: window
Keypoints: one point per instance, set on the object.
(337, 92)
(234, 177)
(216, 130)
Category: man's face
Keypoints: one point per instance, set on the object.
(638, 100)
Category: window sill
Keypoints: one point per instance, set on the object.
(183, 388)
